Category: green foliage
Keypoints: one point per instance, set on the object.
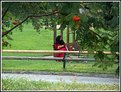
(100, 15)
(24, 84)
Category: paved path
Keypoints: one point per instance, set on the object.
(65, 78)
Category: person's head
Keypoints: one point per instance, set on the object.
(59, 39)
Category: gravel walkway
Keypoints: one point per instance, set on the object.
(64, 78)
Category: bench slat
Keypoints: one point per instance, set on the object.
(53, 51)
(45, 58)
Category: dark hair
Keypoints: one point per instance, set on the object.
(59, 41)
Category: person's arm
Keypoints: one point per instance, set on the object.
(60, 46)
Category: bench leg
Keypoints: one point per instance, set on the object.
(64, 61)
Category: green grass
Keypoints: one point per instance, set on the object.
(53, 66)
(24, 84)
(25, 54)
(29, 39)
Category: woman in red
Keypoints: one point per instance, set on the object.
(59, 45)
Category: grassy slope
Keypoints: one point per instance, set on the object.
(29, 39)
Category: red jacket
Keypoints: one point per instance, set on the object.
(59, 47)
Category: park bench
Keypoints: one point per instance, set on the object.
(64, 59)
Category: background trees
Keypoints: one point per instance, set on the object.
(97, 29)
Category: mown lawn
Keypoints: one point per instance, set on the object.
(29, 39)
(53, 66)
(24, 84)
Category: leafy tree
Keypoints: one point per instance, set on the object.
(101, 25)
(97, 30)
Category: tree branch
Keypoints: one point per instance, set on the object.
(3, 15)
(6, 32)
(99, 36)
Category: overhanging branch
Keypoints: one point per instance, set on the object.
(4, 13)
(6, 32)
(99, 36)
